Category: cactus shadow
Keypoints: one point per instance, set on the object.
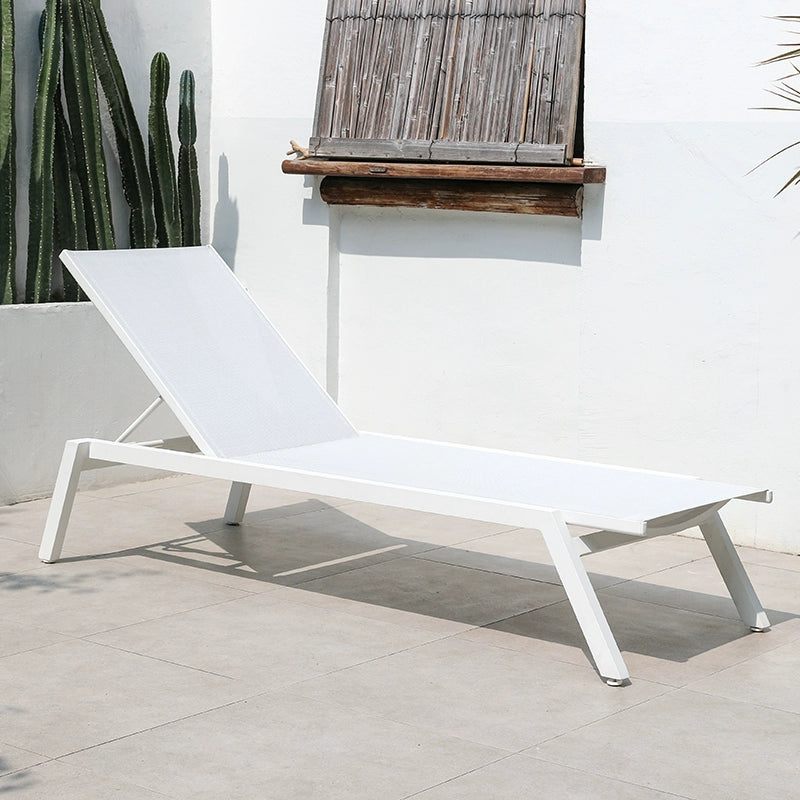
(226, 216)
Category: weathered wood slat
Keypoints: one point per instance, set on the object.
(481, 72)
(427, 169)
(370, 148)
(503, 152)
(516, 198)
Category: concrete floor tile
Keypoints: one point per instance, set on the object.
(496, 697)
(767, 558)
(440, 590)
(13, 759)
(659, 643)
(97, 525)
(388, 674)
(56, 780)
(77, 598)
(698, 586)
(524, 554)
(690, 744)
(294, 549)
(17, 556)
(428, 529)
(518, 553)
(77, 694)
(769, 679)
(384, 613)
(522, 777)
(17, 638)
(264, 642)
(285, 746)
(24, 522)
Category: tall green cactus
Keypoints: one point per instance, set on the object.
(162, 159)
(41, 193)
(8, 150)
(80, 90)
(130, 145)
(70, 217)
(188, 177)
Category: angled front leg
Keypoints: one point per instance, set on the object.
(237, 503)
(76, 454)
(733, 573)
(583, 598)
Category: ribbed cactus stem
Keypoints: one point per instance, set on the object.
(70, 218)
(130, 145)
(188, 176)
(162, 158)
(80, 90)
(8, 139)
(41, 192)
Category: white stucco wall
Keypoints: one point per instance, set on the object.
(65, 375)
(659, 331)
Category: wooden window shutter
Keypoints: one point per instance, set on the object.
(450, 80)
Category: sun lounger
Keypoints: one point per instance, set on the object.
(257, 416)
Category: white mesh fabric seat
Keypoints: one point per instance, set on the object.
(257, 416)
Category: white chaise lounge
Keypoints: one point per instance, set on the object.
(257, 416)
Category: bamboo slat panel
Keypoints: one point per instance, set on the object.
(452, 80)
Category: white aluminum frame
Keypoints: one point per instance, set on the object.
(105, 278)
(565, 549)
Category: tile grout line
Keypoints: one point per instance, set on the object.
(668, 690)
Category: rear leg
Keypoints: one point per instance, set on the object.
(237, 503)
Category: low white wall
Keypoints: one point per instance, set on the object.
(64, 374)
(658, 331)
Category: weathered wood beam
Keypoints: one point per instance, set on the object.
(475, 172)
(557, 199)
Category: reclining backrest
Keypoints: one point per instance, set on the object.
(210, 352)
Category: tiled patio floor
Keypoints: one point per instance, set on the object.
(343, 651)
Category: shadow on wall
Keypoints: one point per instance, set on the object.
(226, 216)
(426, 233)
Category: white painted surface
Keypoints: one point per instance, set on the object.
(64, 374)
(659, 331)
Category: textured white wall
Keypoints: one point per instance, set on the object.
(659, 331)
(65, 375)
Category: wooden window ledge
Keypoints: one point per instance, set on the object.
(556, 190)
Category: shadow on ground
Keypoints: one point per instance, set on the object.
(315, 547)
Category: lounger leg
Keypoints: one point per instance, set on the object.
(75, 455)
(237, 503)
(733, 573)
(584, 602)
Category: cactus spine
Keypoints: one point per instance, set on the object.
(83, 107)
(162, 159)
(42, 209)
(188, 177)
(8, 138)
(130, 146)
